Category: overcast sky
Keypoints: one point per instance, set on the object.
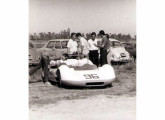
(113, 16)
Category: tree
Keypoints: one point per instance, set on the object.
(120, 37)
(31, 37)
(41, 35)
(53, 34)
(49, 35)
(35, 36)
(134, 37)
(44, 35)
(128, 37)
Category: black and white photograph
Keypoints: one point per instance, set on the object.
(82, 59)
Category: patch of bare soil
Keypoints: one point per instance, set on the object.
(97, 107)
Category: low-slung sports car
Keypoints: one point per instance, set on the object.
(82, 73)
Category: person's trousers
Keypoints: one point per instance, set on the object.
(93, 56)
(109, 56)
(44, 65)
(103, 56)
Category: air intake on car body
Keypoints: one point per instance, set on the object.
(95, 83)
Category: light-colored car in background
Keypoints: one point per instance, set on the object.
(56, 44)
(118, 51)
(34, 57)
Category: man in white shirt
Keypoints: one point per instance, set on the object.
(93, 49)
(83, 45)
(72, 44)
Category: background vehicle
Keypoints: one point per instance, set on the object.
(33, 55)
(56, 44)
(131, 48)
(118, 52)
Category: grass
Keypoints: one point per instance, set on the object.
(126, 76)
(36, 77)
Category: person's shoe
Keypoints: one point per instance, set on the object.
(47, 83)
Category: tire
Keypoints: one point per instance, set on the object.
(59, 82)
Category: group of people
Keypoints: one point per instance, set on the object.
(91, 47)
(86, 49)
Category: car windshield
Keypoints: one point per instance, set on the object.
(64, 44)
(50, 44)
(115, 44)
(128, 46)
(57, 45)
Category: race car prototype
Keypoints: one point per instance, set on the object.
(82, 73)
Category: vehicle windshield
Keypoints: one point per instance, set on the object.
(64, 44)
(115, 44)
(129, 46)
(50, 44)
(57, 45)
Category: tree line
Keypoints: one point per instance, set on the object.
(66, 35)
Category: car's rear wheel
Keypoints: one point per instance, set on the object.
(59, 82)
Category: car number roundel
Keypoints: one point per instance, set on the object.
(91, 76)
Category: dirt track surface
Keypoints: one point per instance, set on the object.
(93, 108)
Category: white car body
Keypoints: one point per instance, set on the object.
(118, 52)
(101, 76)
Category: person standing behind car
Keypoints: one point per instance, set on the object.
(83, 45)
(72, 44)
(93, 49)
(108, 51)
(46, 56)
(105, 45)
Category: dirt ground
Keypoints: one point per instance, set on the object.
(100, 107)
(116, 103)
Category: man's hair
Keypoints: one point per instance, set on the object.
(78, 34)
(93, 33)
(72, 34)
(102, 32)
(107, 36)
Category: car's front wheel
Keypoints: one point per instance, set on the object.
(59, 82)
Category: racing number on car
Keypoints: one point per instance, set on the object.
(91, 76)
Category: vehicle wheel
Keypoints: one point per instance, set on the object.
(59, 83)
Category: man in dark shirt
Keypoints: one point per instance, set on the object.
(105, 45)
(46, 56)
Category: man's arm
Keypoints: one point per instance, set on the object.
(102, 44)
(81, 46)
(68, 47)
